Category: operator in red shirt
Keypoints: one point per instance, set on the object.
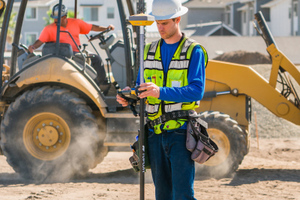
(74, 27)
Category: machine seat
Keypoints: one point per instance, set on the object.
(65, 49)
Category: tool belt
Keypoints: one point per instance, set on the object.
(197, 138)
(180, 114)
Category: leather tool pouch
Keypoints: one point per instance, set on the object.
(198, 141)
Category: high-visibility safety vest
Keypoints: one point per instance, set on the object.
(177, 76)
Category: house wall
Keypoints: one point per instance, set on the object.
(280, 23)
(295, 26)
(203, 15)
(102, 14)
(184, 21)
(265, 11)
(237, 20)
(244, 23)
(34, 25)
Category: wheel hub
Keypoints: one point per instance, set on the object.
(48, 136)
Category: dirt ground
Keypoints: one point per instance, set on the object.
(271, 171)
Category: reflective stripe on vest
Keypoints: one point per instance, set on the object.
(176, 77)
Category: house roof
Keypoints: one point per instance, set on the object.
(37, 2)
(233, 2)
(271, 4)
(226, 29)
(202, 31)
(91, 4)
(245, 7)
(206, 3)
(246, 1)
(211, 28)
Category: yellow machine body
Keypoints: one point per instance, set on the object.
(55, 70)
(222, 76)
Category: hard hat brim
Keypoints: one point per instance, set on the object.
(55, 17)
(182, 11)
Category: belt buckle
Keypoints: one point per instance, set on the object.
(163, 119)
(159, 121)
(152, 124)
(173, 115)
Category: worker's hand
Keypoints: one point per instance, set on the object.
(150, 89)
(121, 100)
(112, 27)
(31, 48)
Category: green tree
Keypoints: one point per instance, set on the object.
(11, 26)
(50, 20)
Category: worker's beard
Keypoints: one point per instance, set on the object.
(167, 35)
(63, 22)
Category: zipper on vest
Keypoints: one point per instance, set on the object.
(164, 85)
(166, 74)
(163, 102)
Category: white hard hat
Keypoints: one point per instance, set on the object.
(64, 11)
(167, 9)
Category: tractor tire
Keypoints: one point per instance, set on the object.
(49, 134)
(232, 142)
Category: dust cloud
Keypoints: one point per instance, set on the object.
(216, 172)
(84, 152)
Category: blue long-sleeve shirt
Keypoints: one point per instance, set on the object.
(196, 76)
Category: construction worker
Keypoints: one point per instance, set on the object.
(174, 74)
(74, 27)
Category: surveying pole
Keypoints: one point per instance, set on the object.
(141, 20)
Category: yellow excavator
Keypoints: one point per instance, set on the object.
(57, 122)
(226, 105)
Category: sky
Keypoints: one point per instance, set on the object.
(153, 27)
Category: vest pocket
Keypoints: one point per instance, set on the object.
(175, 78)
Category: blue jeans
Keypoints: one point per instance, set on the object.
(173, 170)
